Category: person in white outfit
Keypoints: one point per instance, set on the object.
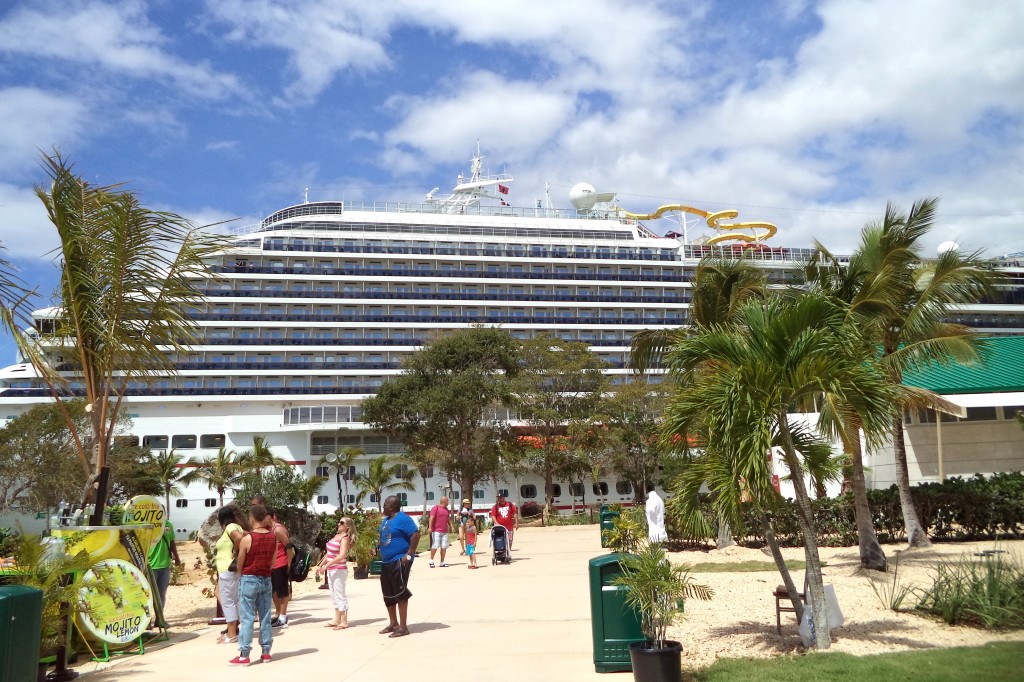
(655, 516)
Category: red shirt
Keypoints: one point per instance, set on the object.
(281, 559)
(259, 559)
(504, 515)
(440, 517)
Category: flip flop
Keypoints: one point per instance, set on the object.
(389, 629)
(330, 625)
(399, 633)
(340, 627)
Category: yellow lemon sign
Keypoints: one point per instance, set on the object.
(146, 510)
(99, 541)
(116, 601)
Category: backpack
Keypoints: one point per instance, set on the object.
(300, 565)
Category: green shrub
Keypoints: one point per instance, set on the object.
(988, 593)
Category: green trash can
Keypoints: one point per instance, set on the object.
(21, 620)
(615, 624)
(607, 523)
(376, 565)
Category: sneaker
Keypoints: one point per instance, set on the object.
(238, 660)
(265, 658)
(284, 621)
(431, 564)
(444, 565)
(275, 622)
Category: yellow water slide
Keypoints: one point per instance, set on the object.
(758, 231)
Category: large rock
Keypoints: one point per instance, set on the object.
(303, 529)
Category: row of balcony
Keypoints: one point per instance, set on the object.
(252, 268)
(509, 251)
(647, 318)
(644, 297)
(268, 341)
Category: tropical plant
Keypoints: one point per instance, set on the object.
(344, 459)
(259, 456)
(658, 590)
(633, 413)
(988, 593)
(128, 277)
(383, 475)
(221, 473)
(901, 302)
(721, 287)
(42, 563)
(736, 385)
(173, 470)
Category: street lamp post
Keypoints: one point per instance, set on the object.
(332, 459)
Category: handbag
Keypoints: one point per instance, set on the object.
(233, 566)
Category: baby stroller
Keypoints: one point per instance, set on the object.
(500, 553)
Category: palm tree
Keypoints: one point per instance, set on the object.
(220, 472)
(901, 301)
(174, 470)
(738, 383)
(383, 476)
(721, 287)
(128, 278)
(14, 297)
(259, 456)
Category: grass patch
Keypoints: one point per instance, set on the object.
(1000, 661)
(745, 566)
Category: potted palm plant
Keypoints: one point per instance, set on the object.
(657, 589)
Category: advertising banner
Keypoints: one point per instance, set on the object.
(116, 602)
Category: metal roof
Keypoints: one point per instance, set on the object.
(1001, 370)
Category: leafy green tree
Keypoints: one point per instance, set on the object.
(737, 384)
(721, 287)
(281, 486)
(345, 459)
(446, 396)
(634, 417)
(173, 471)
(38, 469)
(221, 472)
(133, 471)
(900, 301)
(128, 277)
(559, 383)
(383, 476)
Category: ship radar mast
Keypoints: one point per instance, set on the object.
(468, 193)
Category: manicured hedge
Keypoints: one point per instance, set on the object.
(977, 508)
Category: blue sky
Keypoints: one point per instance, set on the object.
(810, 115)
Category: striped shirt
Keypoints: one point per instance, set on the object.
(333, 549)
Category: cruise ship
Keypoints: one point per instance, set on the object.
(313, 309)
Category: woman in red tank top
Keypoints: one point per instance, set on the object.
(256, 553)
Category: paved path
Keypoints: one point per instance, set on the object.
(528, 620)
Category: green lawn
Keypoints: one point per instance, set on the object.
(993, 662)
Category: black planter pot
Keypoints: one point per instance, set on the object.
(656, 665)
(361, 572)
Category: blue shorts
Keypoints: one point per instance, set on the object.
(469, 550)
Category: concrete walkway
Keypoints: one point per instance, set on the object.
(528, 620)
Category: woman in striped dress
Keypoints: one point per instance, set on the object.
(335, 565)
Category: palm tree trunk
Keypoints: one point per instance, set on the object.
(916, 536)
(871, 554)
(780, 563)
(725, 533)
(815, 585)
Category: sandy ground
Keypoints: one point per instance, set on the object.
(740, 620)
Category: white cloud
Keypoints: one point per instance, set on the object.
(34, 121)
(320, 39)
(26, 231)
(116, 37)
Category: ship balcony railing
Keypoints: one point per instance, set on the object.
(212, 391)
(508, 252)
(454, 319)
(238, 341)
(446, 296)
(367, 448)
(674, 277)
(312, 365)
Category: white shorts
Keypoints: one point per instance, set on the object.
(438, 540)
(227, 587)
